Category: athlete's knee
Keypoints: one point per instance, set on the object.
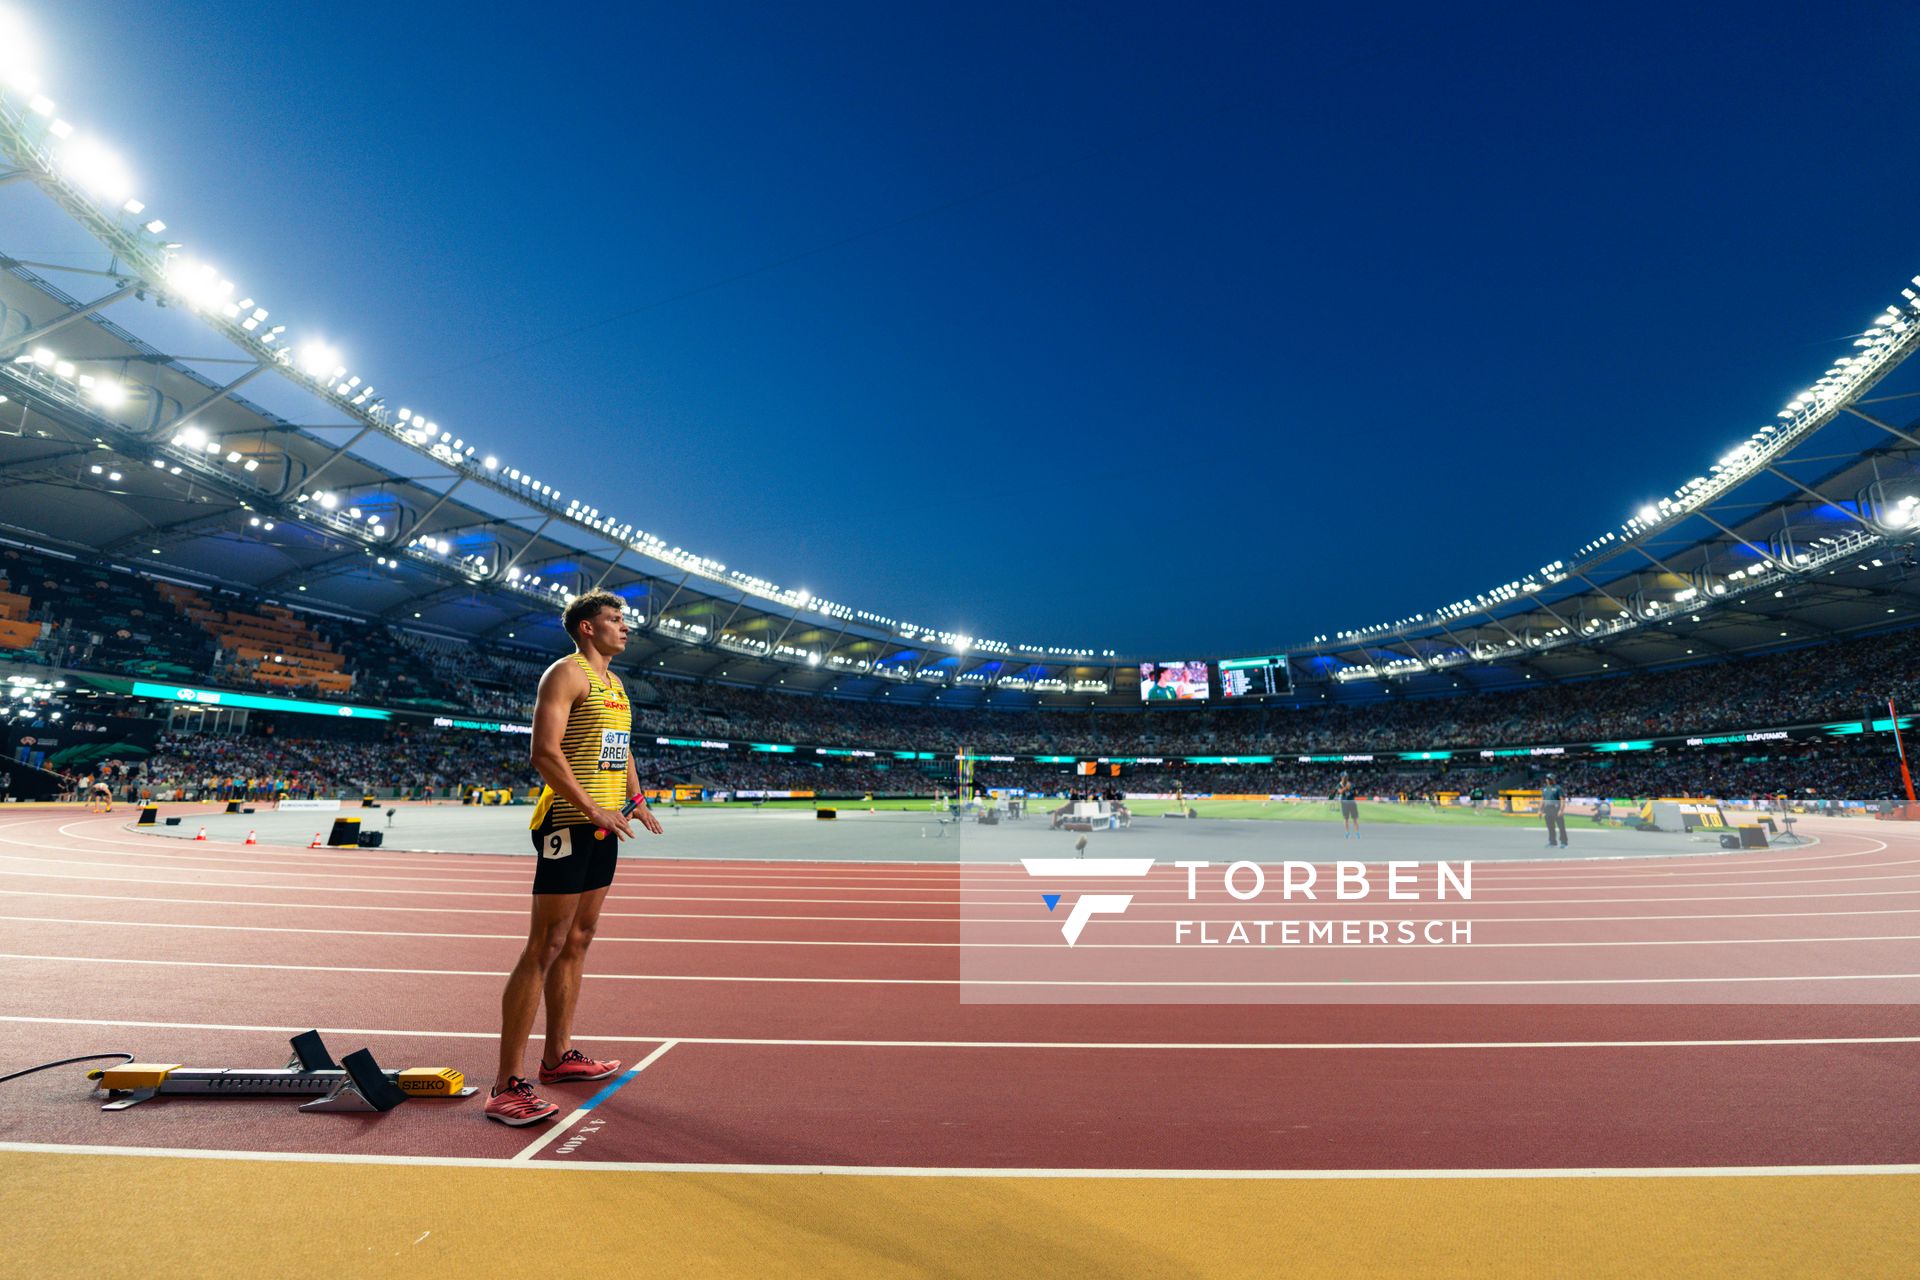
(545, 947)
(580, 937)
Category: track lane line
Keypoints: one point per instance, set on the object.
(947, 920)
(579, 1113)
(1233, 1046)
(1146, 984)
(1048, 945)
(918, 1171)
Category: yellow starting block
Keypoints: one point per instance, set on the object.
(357, 1083)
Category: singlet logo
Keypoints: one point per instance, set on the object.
(613, 749)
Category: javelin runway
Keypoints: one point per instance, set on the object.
(795, 1016)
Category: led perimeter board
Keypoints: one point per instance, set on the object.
(1173, 682)
(1255, 677)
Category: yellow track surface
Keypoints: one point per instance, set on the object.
(166, 1216)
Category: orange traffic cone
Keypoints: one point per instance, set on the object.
(202, 835)
(250, 838)
(316, 841)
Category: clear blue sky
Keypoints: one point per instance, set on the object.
(1263, 321)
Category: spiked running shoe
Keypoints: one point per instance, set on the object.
(518, 1104)
(576, 1066)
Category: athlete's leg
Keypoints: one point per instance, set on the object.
(563, 976)
(546, 936)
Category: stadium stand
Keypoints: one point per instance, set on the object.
(59, 612)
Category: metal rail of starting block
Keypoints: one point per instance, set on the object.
(356, 1083)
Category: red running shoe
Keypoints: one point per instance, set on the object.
(575, 1065)
(518, 1104)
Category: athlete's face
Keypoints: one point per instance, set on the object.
(608, 630)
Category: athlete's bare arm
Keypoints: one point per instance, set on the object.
(564, 685)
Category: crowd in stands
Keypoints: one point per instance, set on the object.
(96, 619)
(1845, 680)
(488, 684)
(424, 763)
(61, 612)
(262, 767)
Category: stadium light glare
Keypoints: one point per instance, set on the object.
(109, 393)
(316, 357)
(88, 164)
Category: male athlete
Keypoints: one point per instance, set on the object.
(581, 725)
(1349, 797)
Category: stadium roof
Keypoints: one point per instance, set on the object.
(154, 457)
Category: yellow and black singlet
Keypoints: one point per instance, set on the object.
(599, 731)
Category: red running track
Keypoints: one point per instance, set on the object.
(810, 1014)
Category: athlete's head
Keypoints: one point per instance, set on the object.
(597, 619)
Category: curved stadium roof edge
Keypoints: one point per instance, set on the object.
(233, 492)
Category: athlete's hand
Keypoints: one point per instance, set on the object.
(645, 814)
(608, 820)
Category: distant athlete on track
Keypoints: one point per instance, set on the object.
(582, 725)
(1349, 797)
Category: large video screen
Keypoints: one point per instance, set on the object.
(1173, 681)
(1255, 677)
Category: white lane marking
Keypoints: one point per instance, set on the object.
(655, 897)
(534, 1148)
(1302, 1046)
(1510, 866)
(947, 920)
(1492, 869)
(967, 886)
(934, 1171)
(838, 942)
(801, 980)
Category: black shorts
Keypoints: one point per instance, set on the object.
(574, 859)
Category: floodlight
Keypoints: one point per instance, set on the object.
(88, 164)
(316, 358)
(191, 437)
(109, 394)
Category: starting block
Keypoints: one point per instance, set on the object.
(356, 1083)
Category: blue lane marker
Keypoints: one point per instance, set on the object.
(611, 1089)
(1051, 899)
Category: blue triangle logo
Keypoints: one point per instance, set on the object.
(1051, 899)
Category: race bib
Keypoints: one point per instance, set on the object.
(613, 749)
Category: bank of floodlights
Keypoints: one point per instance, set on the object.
(98, 181)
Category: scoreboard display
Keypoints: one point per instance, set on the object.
(1255, 677)
(1173, 681)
